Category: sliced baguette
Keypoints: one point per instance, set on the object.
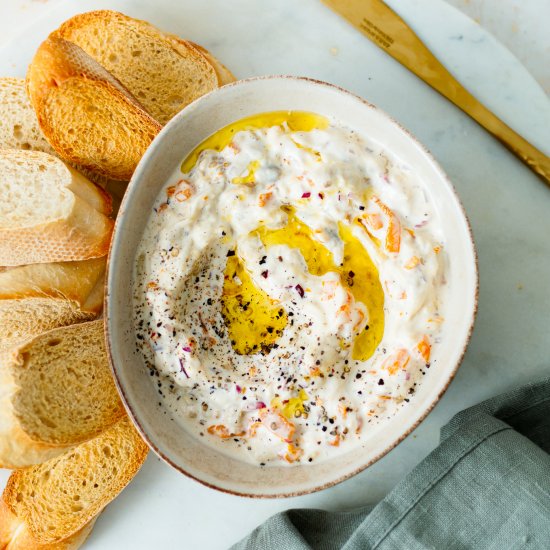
(17, 449)
(15, 535)
(225, 76)
(19, 127)
(18, 124)
(49, 212)
(85, 113)
(57, 499)
(56, 391)
(163, 72)
(38, 297)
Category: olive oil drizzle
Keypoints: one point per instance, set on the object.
(253, 319)
(357, 273)
(296, 121)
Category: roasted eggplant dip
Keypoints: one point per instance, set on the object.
(289, 289)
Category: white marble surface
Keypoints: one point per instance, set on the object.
(507, 205)
(521, 25)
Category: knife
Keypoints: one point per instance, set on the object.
(386, 29)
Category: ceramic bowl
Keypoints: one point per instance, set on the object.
(197, 121)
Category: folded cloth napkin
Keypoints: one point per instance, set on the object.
(486, 486)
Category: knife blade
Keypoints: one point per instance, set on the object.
(389, 31)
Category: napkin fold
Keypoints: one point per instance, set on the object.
(486, 486)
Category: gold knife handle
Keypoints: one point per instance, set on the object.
(439, 78)
(385, 28)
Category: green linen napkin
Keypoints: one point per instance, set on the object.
(487, 486)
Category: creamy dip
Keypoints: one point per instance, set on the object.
(289, 288)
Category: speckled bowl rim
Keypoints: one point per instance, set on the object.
(131, 410)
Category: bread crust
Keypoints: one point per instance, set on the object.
(61, 85)
(71, 281)
(83, 233)
(69, 366)
(19, 129)
(204, 79)
(56, 75)
(39, 297)
(48, 506)
(14, 534)
(17, 449)
(94, 194)
(225, 76)
(18, 124)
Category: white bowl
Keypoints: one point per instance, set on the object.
(196, 122)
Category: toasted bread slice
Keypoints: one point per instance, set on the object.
(18, 124)
(57, 499)
(17, 449)
(19, 127)
(164, 73)
(225, 76)
(15, 535)
(85, 113)
(57, 390)
(49, 212)
(38, 297)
